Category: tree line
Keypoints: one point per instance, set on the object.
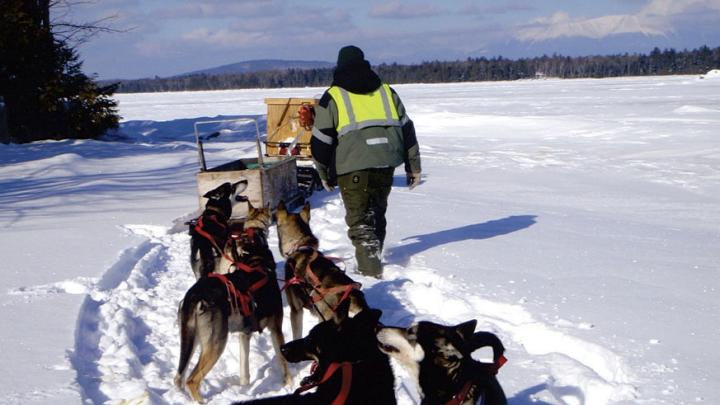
(657, 62)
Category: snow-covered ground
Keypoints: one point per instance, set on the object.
(577, 219)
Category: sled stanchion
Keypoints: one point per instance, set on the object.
(257, 143)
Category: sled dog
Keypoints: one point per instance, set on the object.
(349, 368)
(246, 300)
(312, 280)
(439, 358)
(258, 222)
(208, 232)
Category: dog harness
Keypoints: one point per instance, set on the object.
(460, 397)
(200, 229)
(346, 370)
(241, 301)
(316, 284)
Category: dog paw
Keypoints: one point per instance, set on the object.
(179, 382)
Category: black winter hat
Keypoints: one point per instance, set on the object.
(350, 55)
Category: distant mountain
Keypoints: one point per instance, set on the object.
(615, 44)
(261, 66)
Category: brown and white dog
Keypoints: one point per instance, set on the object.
(312, 280)
(246, 300)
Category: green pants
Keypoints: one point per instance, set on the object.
(365, 194)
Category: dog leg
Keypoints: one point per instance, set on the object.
(212, 333)
(244, 358)
(294, 294)
(296, 321)
(278, 339)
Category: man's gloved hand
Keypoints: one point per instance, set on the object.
(327, 186)
(413, 179)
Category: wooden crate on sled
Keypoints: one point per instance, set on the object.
(286, 136)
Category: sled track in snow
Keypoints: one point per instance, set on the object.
(127, 344)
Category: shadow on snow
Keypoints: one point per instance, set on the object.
(401, 254)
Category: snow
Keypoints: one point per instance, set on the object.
(577, 219)
(712, 74)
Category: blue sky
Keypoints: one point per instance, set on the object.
(169, 37)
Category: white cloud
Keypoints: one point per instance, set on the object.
(668, 8)
(395, 9)
(225, 38)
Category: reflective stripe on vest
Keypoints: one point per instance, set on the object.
(358, 111)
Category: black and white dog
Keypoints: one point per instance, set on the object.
(208, 233)
(439, 358)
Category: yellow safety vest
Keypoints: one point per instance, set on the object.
(357, 111)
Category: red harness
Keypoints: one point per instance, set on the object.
(460, 397)
(342, 396)
(316, 284)
(200, 229)
(240, 301)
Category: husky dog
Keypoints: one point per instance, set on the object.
(246, 300)
(439, 358)
(208, 233)
(312, 280)
(349, 368)
(257, 224)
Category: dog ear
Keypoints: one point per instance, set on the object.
(371, 315)
(376, 314)
(281, 210)
(305, 213)
(219, 191)
(466, 329)
(341, 312)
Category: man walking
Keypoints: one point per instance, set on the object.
(361, 133)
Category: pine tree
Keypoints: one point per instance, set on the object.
(46, 94)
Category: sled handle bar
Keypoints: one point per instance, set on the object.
(199, 140)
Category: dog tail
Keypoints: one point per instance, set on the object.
(482, 339)
(188, 322)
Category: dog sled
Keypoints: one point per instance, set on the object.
(283, 172)
(270, 179)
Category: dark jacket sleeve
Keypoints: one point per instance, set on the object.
(324, 139)
(412, 149)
